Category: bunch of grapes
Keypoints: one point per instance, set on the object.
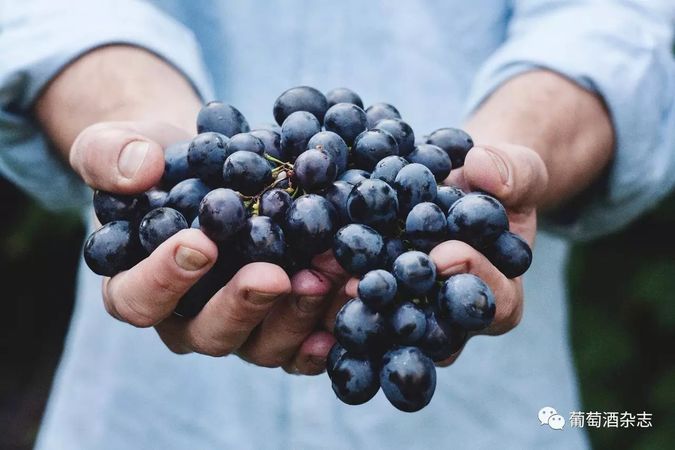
(330, 175)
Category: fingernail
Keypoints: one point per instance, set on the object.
(499, 164)
(132, 157)
(260, 298)
(309, 304)
(454, 270)
(189, 259)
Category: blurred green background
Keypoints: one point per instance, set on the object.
(622, 320)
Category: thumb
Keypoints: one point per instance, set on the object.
(515, 174)
(122, 157)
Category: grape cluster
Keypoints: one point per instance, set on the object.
(330, 175)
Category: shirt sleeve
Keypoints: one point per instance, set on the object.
(38, 38)
(621, 50)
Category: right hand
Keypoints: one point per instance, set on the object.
(260, 314)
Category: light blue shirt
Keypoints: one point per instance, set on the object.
(118, 387)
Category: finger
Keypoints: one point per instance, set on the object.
(289, 321)
(311, 356)
(514, 174)
(340, 297)
(122, 157)
(148, 292)
(453, 257)
(449, 361)
(231, 314)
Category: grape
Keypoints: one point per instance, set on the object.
(407, 323)
(185, 197)
(221, 118)
(415, 272)
(359, 329)
(347, 121)
(244, 142)
(408, 378)
(434, 158)
(336, 352)
(109, 207)
(358, 248)
(112, 248)
(477, 219)
(387, 169)
(156, 198)
(246, 172)
(371, 146)
(334, 145)
(274, 203)
(159, 225)
(343, 95)
(206, 155)
(414, 184)
(377, 290)
(354, 176)
(374, 203)
(426, 226)
(301, 98)
(354, 380)
(401, 131)
(446, 196)
(380, 111)
(222, 214)
(261, 240)
(466, 301)
(456, 143)
(176, 167)
(296, 131)
(314, 170)
(310, 223)
(337, 194)
(393, 248)
(510, 254)
(271, 141)
(440, 340)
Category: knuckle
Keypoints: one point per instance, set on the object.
(210, 346)
(135, 313)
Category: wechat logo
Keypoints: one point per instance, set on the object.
(549, 416)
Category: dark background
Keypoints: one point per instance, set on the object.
(622, 319)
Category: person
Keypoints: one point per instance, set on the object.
(571, 107)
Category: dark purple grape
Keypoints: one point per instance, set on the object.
(337, 194)
(272, 141)
(186, 196)
(221, 118)
(407, 324)
(415, 272)
(371, 146)
(393, 248)
(274, 203)
(455, 142)
(359, 329)
(310, 224)
(414, 184)
(159, 225)
(222, 214)
(247, 173)
(408, 378)
(446, 196)
(354, 380)
(377, 290)
(176, 167)
(426, 226)
(343, 95)
(113, 248)
(296, 131)
(510, 254)
(374, 203)
(314, 170)
(440, 340)
(358, 249)
(434, 158)
(268, 126)
(245, 142)
(261, 239)
(466, 301)
(346, 120)
(109, 207)
(301, 98)
(477, 219)
(336, 352)
(354, 176)
(156, 198)
(387, 169)
(402, 132)
(206, 155)
(334, 145)
(380, 111)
